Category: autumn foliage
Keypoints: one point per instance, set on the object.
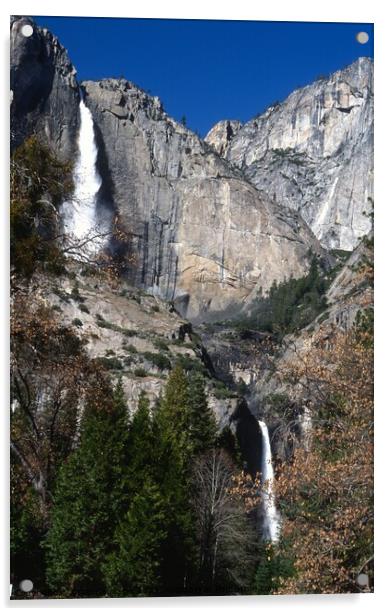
(326, 491)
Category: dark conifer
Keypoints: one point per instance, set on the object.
(203, 426)
(89, 499)
(132, 568)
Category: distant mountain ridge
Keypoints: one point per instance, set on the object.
(313, 153)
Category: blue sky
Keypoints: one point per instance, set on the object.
(209, 70)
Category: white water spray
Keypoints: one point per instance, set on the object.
(271, 517)
(80, 220)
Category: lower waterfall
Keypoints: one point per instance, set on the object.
(80, 219)
(270, 515)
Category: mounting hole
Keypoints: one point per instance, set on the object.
(362, 579)
(27, 30)
(26, 585)
(362, 38)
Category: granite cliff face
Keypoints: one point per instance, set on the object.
(190, 213)
(188, 210)
(314, 153)
(44, 90)
(222, 134)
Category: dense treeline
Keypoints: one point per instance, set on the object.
(289, 305)
(128, 507)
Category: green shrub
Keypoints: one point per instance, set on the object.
(161, 345)
(140, 372)
(342, 255)
(106, 324)
(191, 364)
(89, 270)
(128, 360)
(281, 405)
(130, 348)
(177, 342)
(77, 322)
(158, 359)
(101, 322)
(110, 363)
(221, 392)
(242, 388)
(64, 297)
(181, 343)
(323, 317)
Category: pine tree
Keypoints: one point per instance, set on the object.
(132, 568)
(174, 408)
(141, 443)
(203, 426)
(173, 455)
(275, 564)
(27, 529)
(89, 500)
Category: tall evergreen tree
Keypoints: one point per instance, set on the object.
(141, 443)
(275, 563)
(27, 529)
(89, 499)
(132, 569)
(203, 426)
(173, 454)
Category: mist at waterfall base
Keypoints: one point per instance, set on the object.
(270, 515)
(79, 214)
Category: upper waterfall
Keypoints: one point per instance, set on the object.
(80, 218)
(271, 517)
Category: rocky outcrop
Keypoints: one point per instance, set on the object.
(352, 289)
(256, 366)
(314, 153)
(190, 213)
(138, 339)
(221, 135)
(44, 90)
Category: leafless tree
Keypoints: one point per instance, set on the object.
(227, 539)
